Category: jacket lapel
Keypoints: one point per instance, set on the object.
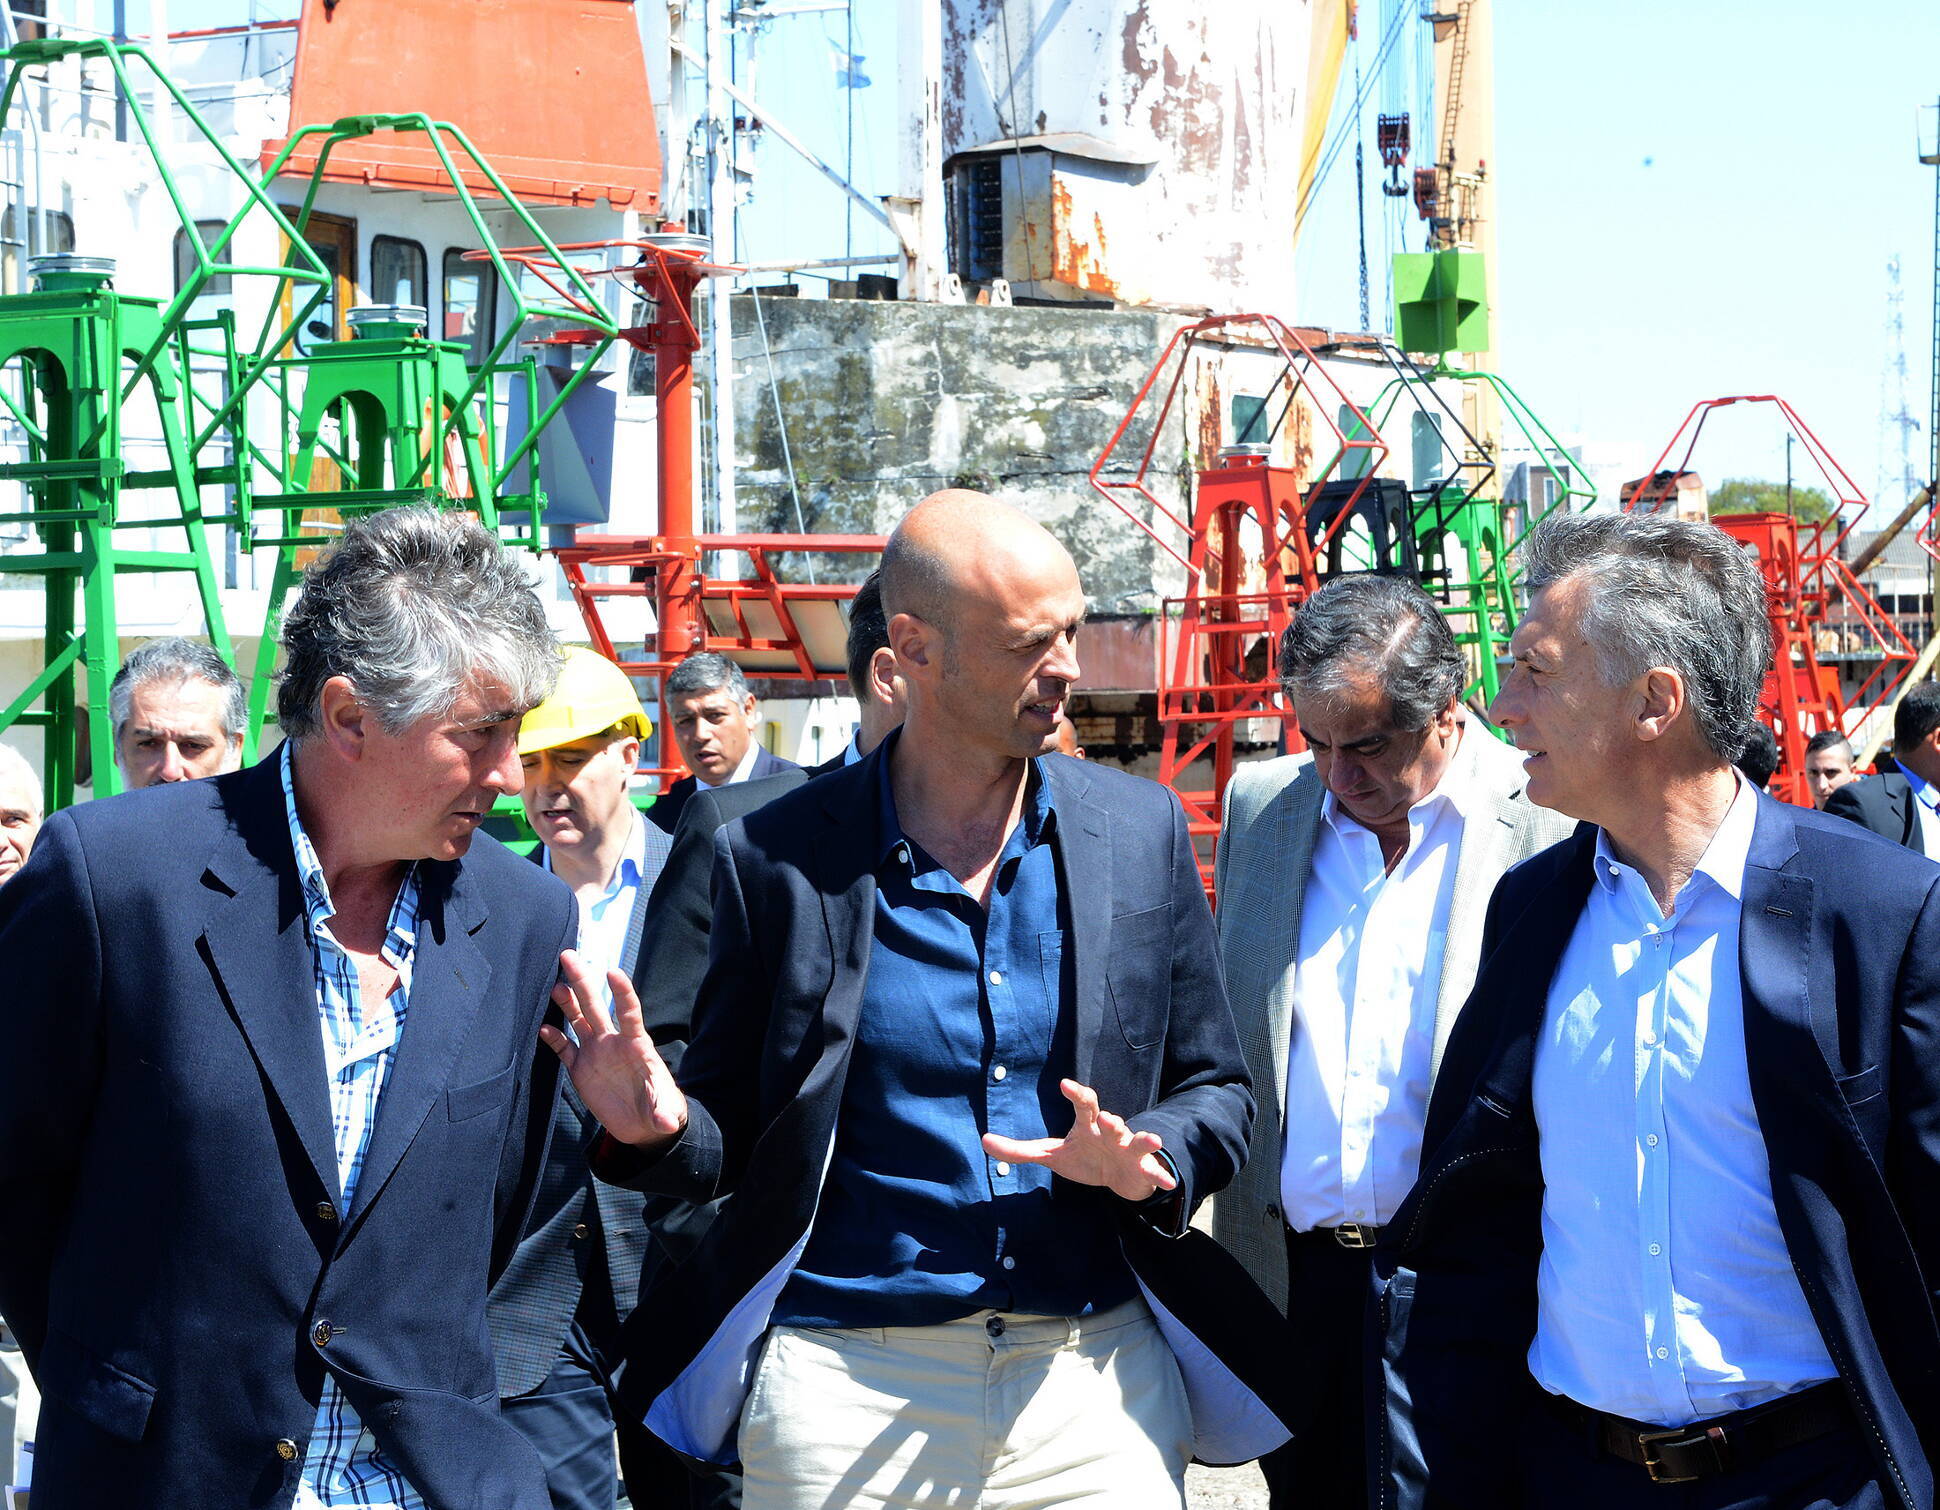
(1513, 983)
(269, 981)
(1485, 841)
(845, 879)
(449, 977)
(1783, 1041)
(1085, 873)
(1290, 830)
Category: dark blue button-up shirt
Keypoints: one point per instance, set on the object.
(966, 1028)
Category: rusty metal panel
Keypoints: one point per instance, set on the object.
(1156, 145)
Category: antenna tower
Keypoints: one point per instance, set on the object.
(1894, 413)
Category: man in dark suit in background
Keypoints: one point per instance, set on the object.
(556, 1311)
(1903, 804)
(1679, 1217)
(713, 716)
(271, 1115)
(963, 1012)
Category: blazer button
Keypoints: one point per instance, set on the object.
(286, 1449)
(326, 1212)
(579, 1230)
(320, 1334)
(1271, 1214)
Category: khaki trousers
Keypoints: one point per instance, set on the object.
(992, 1412)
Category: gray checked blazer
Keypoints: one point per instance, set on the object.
(1266, 849)
(574, 1218)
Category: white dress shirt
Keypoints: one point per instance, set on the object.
(1665, 1292)
(1926, 807)
(1366, 979)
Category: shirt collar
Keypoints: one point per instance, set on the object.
(401, 931)
(1039, 816)
(633, 858)
(1724, 858)
(1923, 791)
(1456, 787)
(852, 752)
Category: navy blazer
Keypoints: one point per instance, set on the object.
(1885, 804)
(670, 804)
(174, 1237)
(1839, 951)
(794, 885)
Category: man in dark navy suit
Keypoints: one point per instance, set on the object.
(1679, 1222)
(713, 716)
(1902, 803)
(962, 1068)
(272, 1105)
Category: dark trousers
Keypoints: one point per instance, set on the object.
(1328, 1289)
(1561, 1466)
(569, 1420)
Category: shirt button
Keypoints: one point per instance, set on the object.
(1655, 1249)
(320, 1334)
(326, 1212)
(999, 1073)
(996, 977)
(1003, 1169)
(1009, 1262)
(1650, 1040)
(1651, 1140)
(902, 853)
(1663, 1352)
(286, 1449)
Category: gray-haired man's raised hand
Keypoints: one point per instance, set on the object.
(614, 1066)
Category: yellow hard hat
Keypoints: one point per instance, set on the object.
(593, 695)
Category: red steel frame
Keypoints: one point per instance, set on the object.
(1805, 580)
(1205, 687)
(672, 562)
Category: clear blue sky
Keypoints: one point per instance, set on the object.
(1697, 200)
(1693, 199)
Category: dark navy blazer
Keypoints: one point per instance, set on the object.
(172, 1240)
(794, 889)
(1839, 950)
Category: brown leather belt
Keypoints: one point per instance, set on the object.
(1679, 1454)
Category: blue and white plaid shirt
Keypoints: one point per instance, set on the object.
(344, 1466)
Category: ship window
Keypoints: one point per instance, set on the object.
(209, 231)
(397, 271)
(470, 290)
(14, 226)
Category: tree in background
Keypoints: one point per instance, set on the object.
(1748, 495)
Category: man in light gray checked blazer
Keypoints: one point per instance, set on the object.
(1352, 886)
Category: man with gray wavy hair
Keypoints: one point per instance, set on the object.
(1351, 886)
(1677, 1219)
(272, 1103)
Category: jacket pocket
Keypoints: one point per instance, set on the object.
(1138, 969)
(464, 1102)
(105, 1396)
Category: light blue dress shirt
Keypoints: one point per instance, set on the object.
(603, 920)
(1665, 1292)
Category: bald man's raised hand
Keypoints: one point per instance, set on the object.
(1099, 1150)
(613, 1063)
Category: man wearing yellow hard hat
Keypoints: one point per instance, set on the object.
(555, 1312)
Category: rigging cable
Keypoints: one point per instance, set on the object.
(1360, 183)
(1334, 147)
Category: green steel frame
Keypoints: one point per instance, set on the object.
(1465, 534)
(406, 408)
(74, 355)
